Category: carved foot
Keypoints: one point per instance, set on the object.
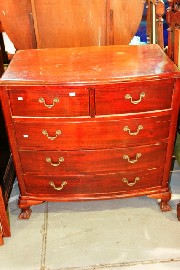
(178, 211)
(165, 197)
(24, 204)
(164, 206)
(25, 213)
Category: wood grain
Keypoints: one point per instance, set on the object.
(108, 146)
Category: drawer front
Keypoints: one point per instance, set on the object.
(136, 97)
(87, 161)
(91, 134)
(82, 186)
(49, 101)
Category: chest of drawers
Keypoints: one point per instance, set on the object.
(91, 123)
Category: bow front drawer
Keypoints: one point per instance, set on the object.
(134, 97)
(106, 185)
(87, 161)
(83, 133)
(48, 101)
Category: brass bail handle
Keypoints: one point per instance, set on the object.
(58, 132)
(126, 128)
(128, 96)
(138, 155)
(58, 188)
(48, 159)
(125, 180)
(49, 106)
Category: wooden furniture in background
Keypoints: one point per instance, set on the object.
(7, 171)
(7, 175)
(16, 20)
(87, 125)
(1, 52)
(4, 222)
(4, 56)
(173, 20)
(67, 23)
(1, 64)
(154, 30)
(80, 22)
(85, 23)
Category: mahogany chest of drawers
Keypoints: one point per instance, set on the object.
(91, 123)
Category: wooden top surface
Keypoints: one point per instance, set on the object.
(89, 65)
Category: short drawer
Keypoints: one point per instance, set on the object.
(90, 134)
(134, 97)
(87, 161)
(48, 101)
(93, 185)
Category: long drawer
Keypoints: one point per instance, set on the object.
(134, 97)
(90, 134)
(94, 185)
(48, 101)
(87, 161)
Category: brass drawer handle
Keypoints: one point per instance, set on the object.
(138, 155)
(125, 180)
(61, 159)
(126, 128)
(55, 100)
(58, 132)
(58, 188)
(128, 96)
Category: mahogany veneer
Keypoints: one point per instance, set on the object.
(91, 123)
